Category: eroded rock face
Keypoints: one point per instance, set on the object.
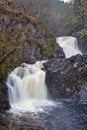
(65, 76)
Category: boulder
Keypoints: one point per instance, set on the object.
(64, 77)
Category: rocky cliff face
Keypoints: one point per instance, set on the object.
(23, 38)
(66, 77)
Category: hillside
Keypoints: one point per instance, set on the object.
(23, 38)
(53, 12)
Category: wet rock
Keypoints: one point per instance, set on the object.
(4, 103)
(65, 76)
(83, 92)
(58, 54)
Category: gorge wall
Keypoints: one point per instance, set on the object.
(23, 38)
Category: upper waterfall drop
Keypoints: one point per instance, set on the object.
(27, 82)
(69, 45)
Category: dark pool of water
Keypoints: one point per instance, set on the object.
(68, 116)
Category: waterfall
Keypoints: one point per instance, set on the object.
(15, 88)
(27, 82)
(69, 45)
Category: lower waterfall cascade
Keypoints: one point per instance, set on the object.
(26, 85)
(69, 45)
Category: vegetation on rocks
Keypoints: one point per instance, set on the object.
(79, 26)
(23, 38)
(62, 18)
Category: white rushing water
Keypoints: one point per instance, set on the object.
(69, 45)
(27, 88)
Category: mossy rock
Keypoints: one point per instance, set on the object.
(83, 37)
(80, 69)
(68, 89)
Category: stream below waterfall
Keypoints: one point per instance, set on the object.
(58, 115)
(31, 108)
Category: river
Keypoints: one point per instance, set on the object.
(62, 115)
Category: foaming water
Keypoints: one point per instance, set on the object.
(58, 115)
(27, 89)
(69, 45)
(32, 106)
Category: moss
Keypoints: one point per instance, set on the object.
(49, 46)
(2, 71)
(80, 81)
(2, 45)
(68, 89)
(47, 50)
(33, 40)
(83, 37)
(80, 69)
(18, 35)
(0, 19)
(51, 42)
(10, 2)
